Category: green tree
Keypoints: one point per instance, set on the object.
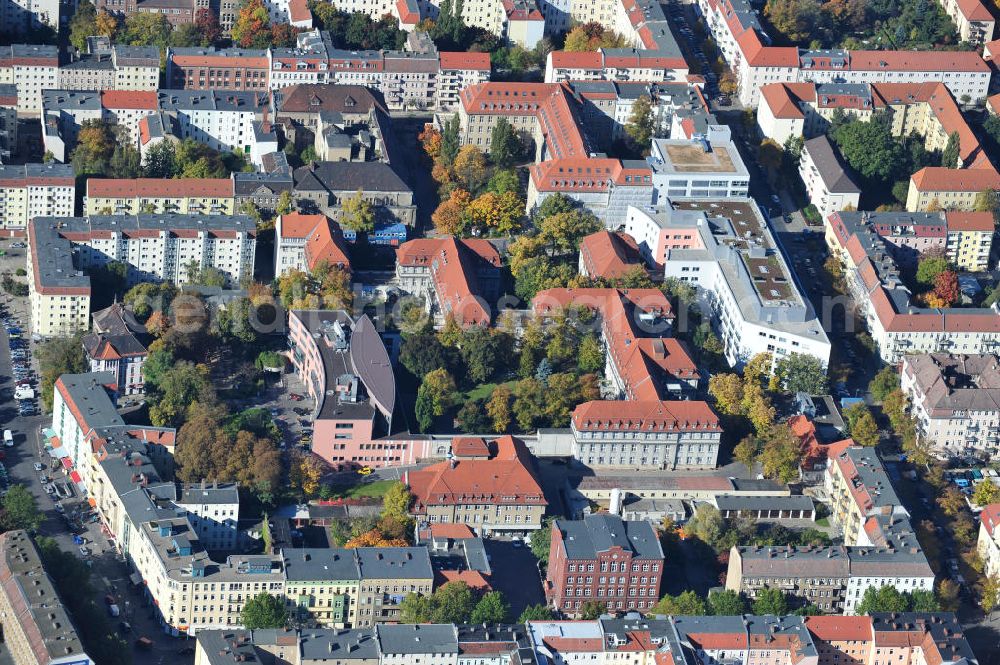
(870, 149)
(686, 603)
(416, 608)
(990, 597)
(482, 350)
(641, 123)
(801, 372)
(540, 541)
(396, 501)
(422, 353)
(590, 355)
(882, 599)
(57, 356)
(20, 510)
(172, 393)
(746, 451)
(504, 144)
(264, 611)
(357, 213)
(453, 603)
(83, 25)
(439, 386)
(592, 609)
(770, 601)
(781, 454)
(952, 152)
(503, 181)
(922, 600)
(450, 140)
(727, 603)
(535, 613)
(706, 525)
(285, 203)
(491, 608)
(884, 383)
(861, 425)
(929, 268)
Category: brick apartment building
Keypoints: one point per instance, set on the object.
(605, 559)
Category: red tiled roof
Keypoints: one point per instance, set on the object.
(974, 10)
(507, 478)
(473, 578)
(453, 272)
(941, 179)
(609, 255)
(970, 221)
(160, 188)
(458, 60)
(917, 61)
(576, 60)
(299, 225)
(990, 517)
(783, 98)
(630, 415)
(129, 99)
(470, 446)
(326, 243)
(453, 531)
(298, 11)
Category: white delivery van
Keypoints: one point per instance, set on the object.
(8, 438)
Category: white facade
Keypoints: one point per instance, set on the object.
(213, 513)
(856, 586)
(719, 173)
(827, 189)
(747, 322)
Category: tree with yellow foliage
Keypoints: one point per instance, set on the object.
(374, 538)
(305, 473)
(470, 168)
(496, 214)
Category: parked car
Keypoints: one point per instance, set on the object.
(295, 397)
(37, 466)
(84, 551)
(144, 643)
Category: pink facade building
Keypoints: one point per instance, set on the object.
(346, 370)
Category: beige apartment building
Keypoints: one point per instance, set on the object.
(183, 196)
(322, 585)
(859, 489)
(387, 575)
(36, 628)
(35, 190)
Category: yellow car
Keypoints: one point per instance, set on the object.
(365, 471)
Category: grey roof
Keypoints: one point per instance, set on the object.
(228, 647)
(215, 100)
(315, 563)
(35, 603)
(417, 639)
(367, 359)
(209, 493)
(754, 503)
(833, 172)
(349, 177)
(946, 631)
(99, 61)
(91, 398)
(248, 184)
(872, 475)
(387, 563)
(320, 645)
(224, 52)
(33, 51)
(950, 383)
(52, 253)
(51, 170)
(132, 56)
(71, 100)
(791, 562)
(585, 538)
(475, 555)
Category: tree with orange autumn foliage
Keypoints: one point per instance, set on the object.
(496, 214)
(374, 538)
(946, 287)
(449, 218)
(430, 139)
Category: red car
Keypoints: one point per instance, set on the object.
(295, 397)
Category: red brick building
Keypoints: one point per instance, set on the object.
(605, 559)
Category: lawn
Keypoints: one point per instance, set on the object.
(484, 390)
(823, 521)
(376, 489)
